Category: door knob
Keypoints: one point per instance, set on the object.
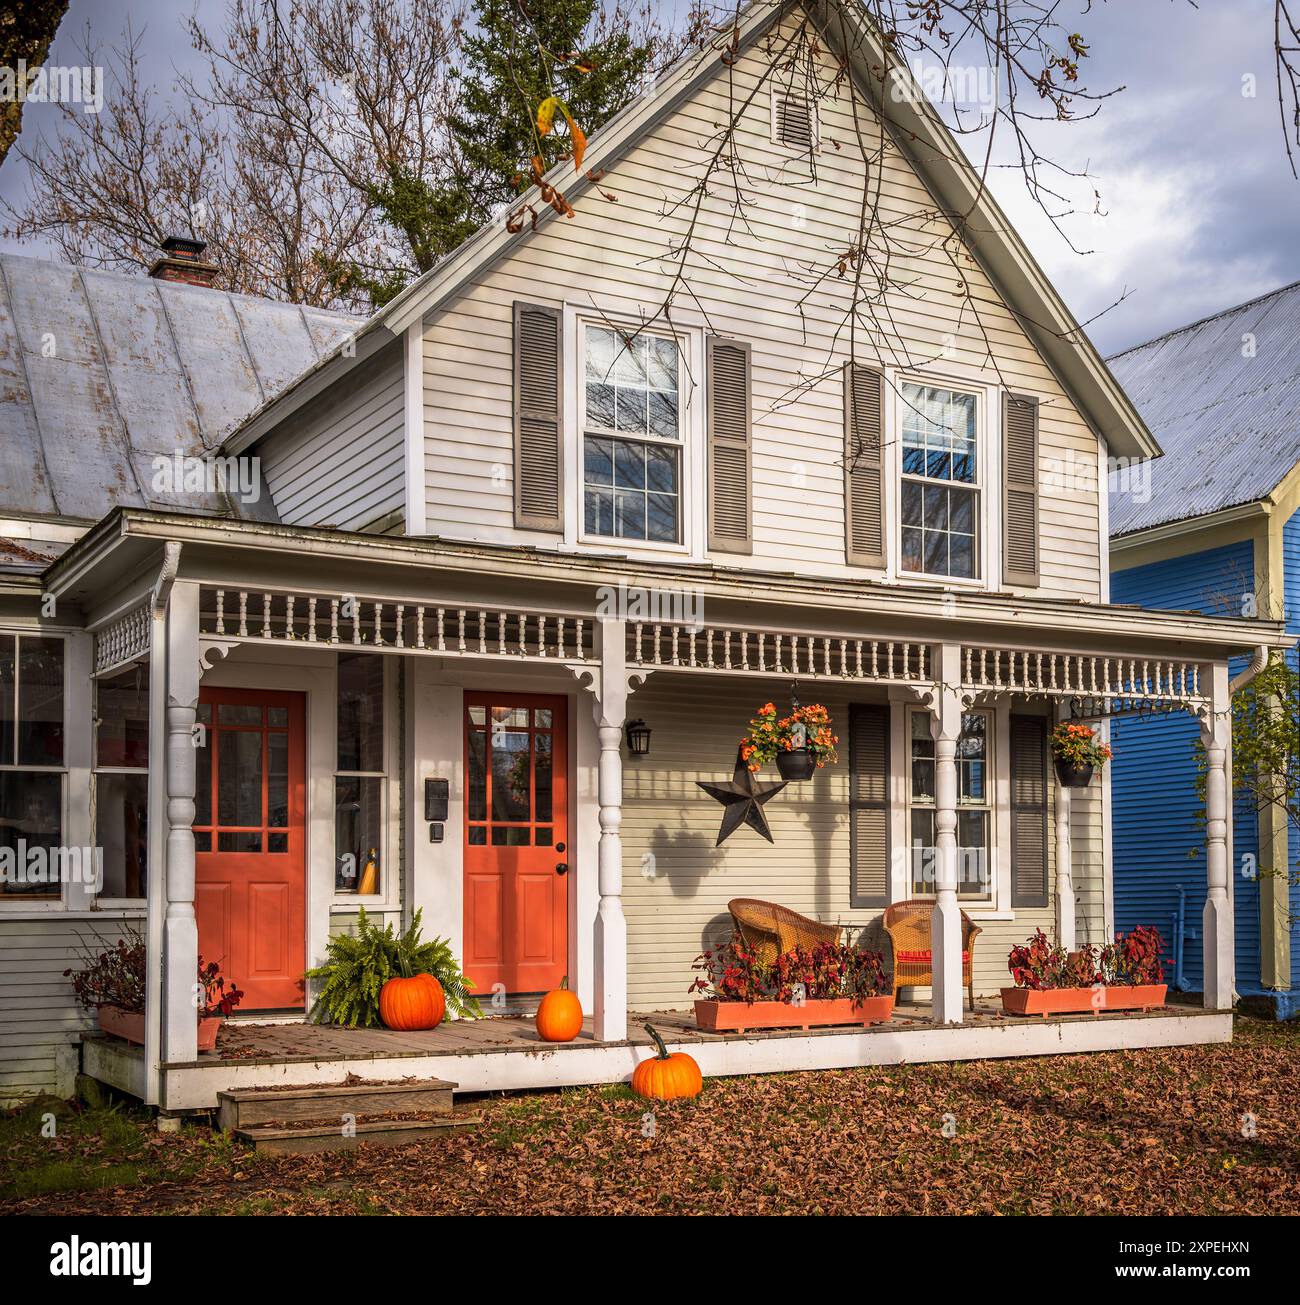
(561, 867)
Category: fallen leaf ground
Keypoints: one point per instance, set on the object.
(1192, 1130)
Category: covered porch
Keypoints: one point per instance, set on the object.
(243, 607)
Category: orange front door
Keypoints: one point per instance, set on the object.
(517, 853)
(249, 836)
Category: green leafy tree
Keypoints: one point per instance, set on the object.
(529, 63)
(1266, 750)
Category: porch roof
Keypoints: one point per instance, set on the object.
(258, 555)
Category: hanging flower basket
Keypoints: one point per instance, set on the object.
(800, 743)
(1072, 774)
(1076, 753)
(797, 764)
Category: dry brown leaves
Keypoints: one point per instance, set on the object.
(1146, 1132)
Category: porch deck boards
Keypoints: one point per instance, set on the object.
(252, 1044)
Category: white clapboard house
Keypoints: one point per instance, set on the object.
(479, 533)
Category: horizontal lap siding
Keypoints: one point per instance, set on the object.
(676, 883)
(615, 255)
(1159, 839)
(343, 463)
(1291, 589)
(40, 1021)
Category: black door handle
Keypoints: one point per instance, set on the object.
(561, 867)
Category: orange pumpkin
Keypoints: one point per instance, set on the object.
(664, 1077)
(416, 1003)
(559, 1017)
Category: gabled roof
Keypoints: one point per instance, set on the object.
(1223, 398)
(916, 130)
(100, 372)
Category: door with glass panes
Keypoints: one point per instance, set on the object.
(517, 854)
(249, 837)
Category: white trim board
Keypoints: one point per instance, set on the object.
(195, 1087)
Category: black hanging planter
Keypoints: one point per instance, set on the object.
(797, 764)
(1072, 774)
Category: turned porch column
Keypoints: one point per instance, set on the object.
(945, 923)
(611, 926)
(1065, 933)
(1216, 920)
(180, 931)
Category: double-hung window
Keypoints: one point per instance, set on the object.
(632, 443)
(360, 776)
(122, 781)
(940, 489)
(974, 806)
(31, 764)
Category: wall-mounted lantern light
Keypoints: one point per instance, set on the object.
(638, 738)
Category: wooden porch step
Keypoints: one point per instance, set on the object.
(276, 1139)
(327, 1103)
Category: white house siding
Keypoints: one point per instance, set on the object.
(676, 884)
(612, 257)
(40, 1022)
(341, 462)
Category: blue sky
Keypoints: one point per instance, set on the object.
(1201, 210)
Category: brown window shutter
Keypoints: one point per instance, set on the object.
(539, 424)
(864, 487)
(868, 805)
(730, 430)
(1020, 489)
(1028, 811)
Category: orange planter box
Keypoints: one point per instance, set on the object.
(1071, 1001)
(130, 1025)
(737, 1016)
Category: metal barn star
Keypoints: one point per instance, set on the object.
(742, 801)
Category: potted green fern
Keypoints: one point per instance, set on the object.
(359, 966)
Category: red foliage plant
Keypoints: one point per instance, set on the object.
(1132, 959)
(116, 977)
(733, 972)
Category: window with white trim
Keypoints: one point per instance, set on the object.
(939, 494)
(122, 781)
(360, 776)
(632, 436)
(32, 764)
(974, 806)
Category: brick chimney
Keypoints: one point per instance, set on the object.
(182, 260)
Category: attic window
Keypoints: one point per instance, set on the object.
(794, 121)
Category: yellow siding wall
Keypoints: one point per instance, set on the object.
(614, 256)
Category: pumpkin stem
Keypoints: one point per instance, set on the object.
(564, 984)
(659, 1042)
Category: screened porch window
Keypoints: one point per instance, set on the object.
(359, 776)
(974, 810)
(122, 781)
(31, 764)
(940, 482)
(632, 437)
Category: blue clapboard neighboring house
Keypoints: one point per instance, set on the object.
(1213, 526)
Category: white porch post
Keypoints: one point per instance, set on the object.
(1064, 871)
(945, 923)
(1216, 921)
(611, 926)
(180, 931)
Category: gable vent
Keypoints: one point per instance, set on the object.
(794, 121)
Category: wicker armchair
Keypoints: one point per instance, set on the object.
(770, 930)
(908, 926)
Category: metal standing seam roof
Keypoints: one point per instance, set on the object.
(1222, 397)
(101, 372)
